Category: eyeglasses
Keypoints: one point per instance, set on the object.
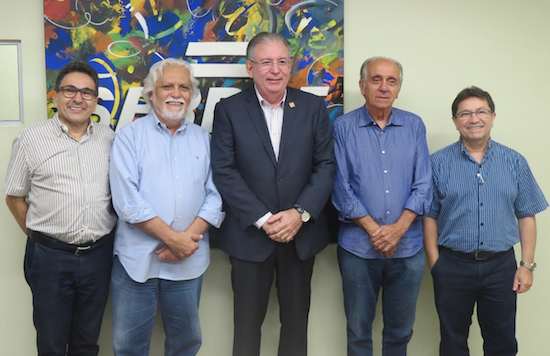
(70, 91)
(467, 114)
(268, 64)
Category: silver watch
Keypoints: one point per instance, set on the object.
(530, 266)
(304, 215)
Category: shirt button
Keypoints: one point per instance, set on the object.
(177, 177)
(179, 195)
(175, 158)
(387, 212)
(481, 224)
(387, 191)
(381, 133)
(383, 152)
(178, 216)
(279, 179)
(480, 204)
(385, 171)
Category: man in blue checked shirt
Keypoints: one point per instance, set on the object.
(166, 200)
(383, 187)
(485, 201)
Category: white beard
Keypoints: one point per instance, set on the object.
(168, 115)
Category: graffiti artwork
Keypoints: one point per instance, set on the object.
(121, 39)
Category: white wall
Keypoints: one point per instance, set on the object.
(499, 45)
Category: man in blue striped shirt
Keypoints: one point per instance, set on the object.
(485, 201)
(383, 186)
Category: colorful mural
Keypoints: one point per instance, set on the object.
(121, 39)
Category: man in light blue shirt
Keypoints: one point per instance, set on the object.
(383, 187)
(164, 196)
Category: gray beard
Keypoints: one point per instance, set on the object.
(168, 115)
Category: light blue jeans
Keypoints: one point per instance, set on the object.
(135, 308)
(362, 279)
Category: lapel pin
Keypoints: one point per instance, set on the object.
(291, 104)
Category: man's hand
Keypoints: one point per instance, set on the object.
(283, 226)
(523, 280)
(184, 244)
(389, 253)
(387, 237)
(166, 255)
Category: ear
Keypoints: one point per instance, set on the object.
(55, 94)
(454, 122)
(249, 65)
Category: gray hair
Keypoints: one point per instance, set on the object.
(156, 70)
(363, 72)
(265, 37)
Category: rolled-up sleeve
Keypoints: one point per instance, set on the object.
(344, 199)
(211, 209)
(422, 188)
(124, 179)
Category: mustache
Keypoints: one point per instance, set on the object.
(177, 100)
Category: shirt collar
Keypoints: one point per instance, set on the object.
(264, 102)
(366, 119)
(62, 128)
(160, 125)
(487, 154)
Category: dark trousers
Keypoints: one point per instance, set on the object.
(251, 286)
(459, 283)
(69, 296)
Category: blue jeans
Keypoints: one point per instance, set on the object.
(460, 282)
(69, 296)
(135, 308)
(362, 279)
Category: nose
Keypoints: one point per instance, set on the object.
(275, 68)
(384, 86)
(474, 119)
(78, 97)
(175, 92)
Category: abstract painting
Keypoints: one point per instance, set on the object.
(122, 39)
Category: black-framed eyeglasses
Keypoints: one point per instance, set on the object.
(70, 91)
(480, 113)
(267, 63)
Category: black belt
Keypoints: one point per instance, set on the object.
(56, 244)
(476, 255)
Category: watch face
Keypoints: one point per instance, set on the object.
(305, 216)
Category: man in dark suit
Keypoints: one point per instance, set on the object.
(273, 163)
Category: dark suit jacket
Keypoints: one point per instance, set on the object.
(252, 182)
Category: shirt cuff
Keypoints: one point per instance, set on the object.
(261, 221)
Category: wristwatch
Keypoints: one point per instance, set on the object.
(530, 266)
(304, 215)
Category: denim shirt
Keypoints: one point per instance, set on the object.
(380, 173)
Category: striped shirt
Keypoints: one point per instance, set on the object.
(380, 173)
(477, 204)
(65, 182)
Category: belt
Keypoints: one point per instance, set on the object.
(56, 244)
(476, 255)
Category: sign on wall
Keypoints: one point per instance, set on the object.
(122, 39)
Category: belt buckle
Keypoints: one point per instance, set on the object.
(80, 249)
(480, 255)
